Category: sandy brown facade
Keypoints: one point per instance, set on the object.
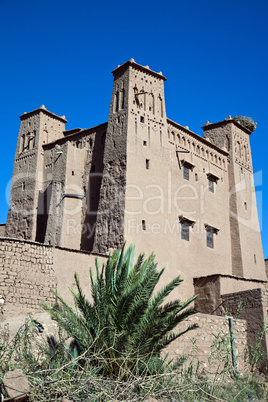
(143, 179)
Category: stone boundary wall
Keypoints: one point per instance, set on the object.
(26, 275)
(213, 330)
(28, 271)
(250, 305)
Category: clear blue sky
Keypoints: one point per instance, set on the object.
(60, 54)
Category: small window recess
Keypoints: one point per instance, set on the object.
(246, 206)
(212, 179)
(196, 177)
(211, 185)
(186, 223)
(147, 163)
(23, 186)
(145, 143)
(72, 172)
(210, 231)
(185, 231)
(142, 119)
(187, 166)
(210, 239)
(143, 224)
(186, 174)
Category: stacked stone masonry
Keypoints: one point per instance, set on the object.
(26, 275)
(211, 338)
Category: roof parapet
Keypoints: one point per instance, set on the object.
(229, 119)
(43, 109)
(145, 69)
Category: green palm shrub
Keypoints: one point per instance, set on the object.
(125, 326)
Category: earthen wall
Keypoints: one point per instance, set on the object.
(29, 270)
(212, 337)
(26, 275)
(251, 305)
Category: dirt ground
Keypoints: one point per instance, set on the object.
(13, 323)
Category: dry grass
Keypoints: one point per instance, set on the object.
(53, 372)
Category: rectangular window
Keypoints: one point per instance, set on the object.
(211, 185)
(185, 231)
(147, 163)
(186, 172)
(143, 224)
(210, 240)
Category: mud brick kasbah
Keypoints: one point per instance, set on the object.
(142, 179)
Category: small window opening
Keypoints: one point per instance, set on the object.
(185, 231)
(114, 144)
(210, 239)
(241, 170)
(246, 206)
(145, 143)
(186, 172)
(150, 108)
(142, 119)
(23, 186)
(211, 185)
(204, 170)
(196, 177)
(72, 172)
(143, 224)
(147, 164)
